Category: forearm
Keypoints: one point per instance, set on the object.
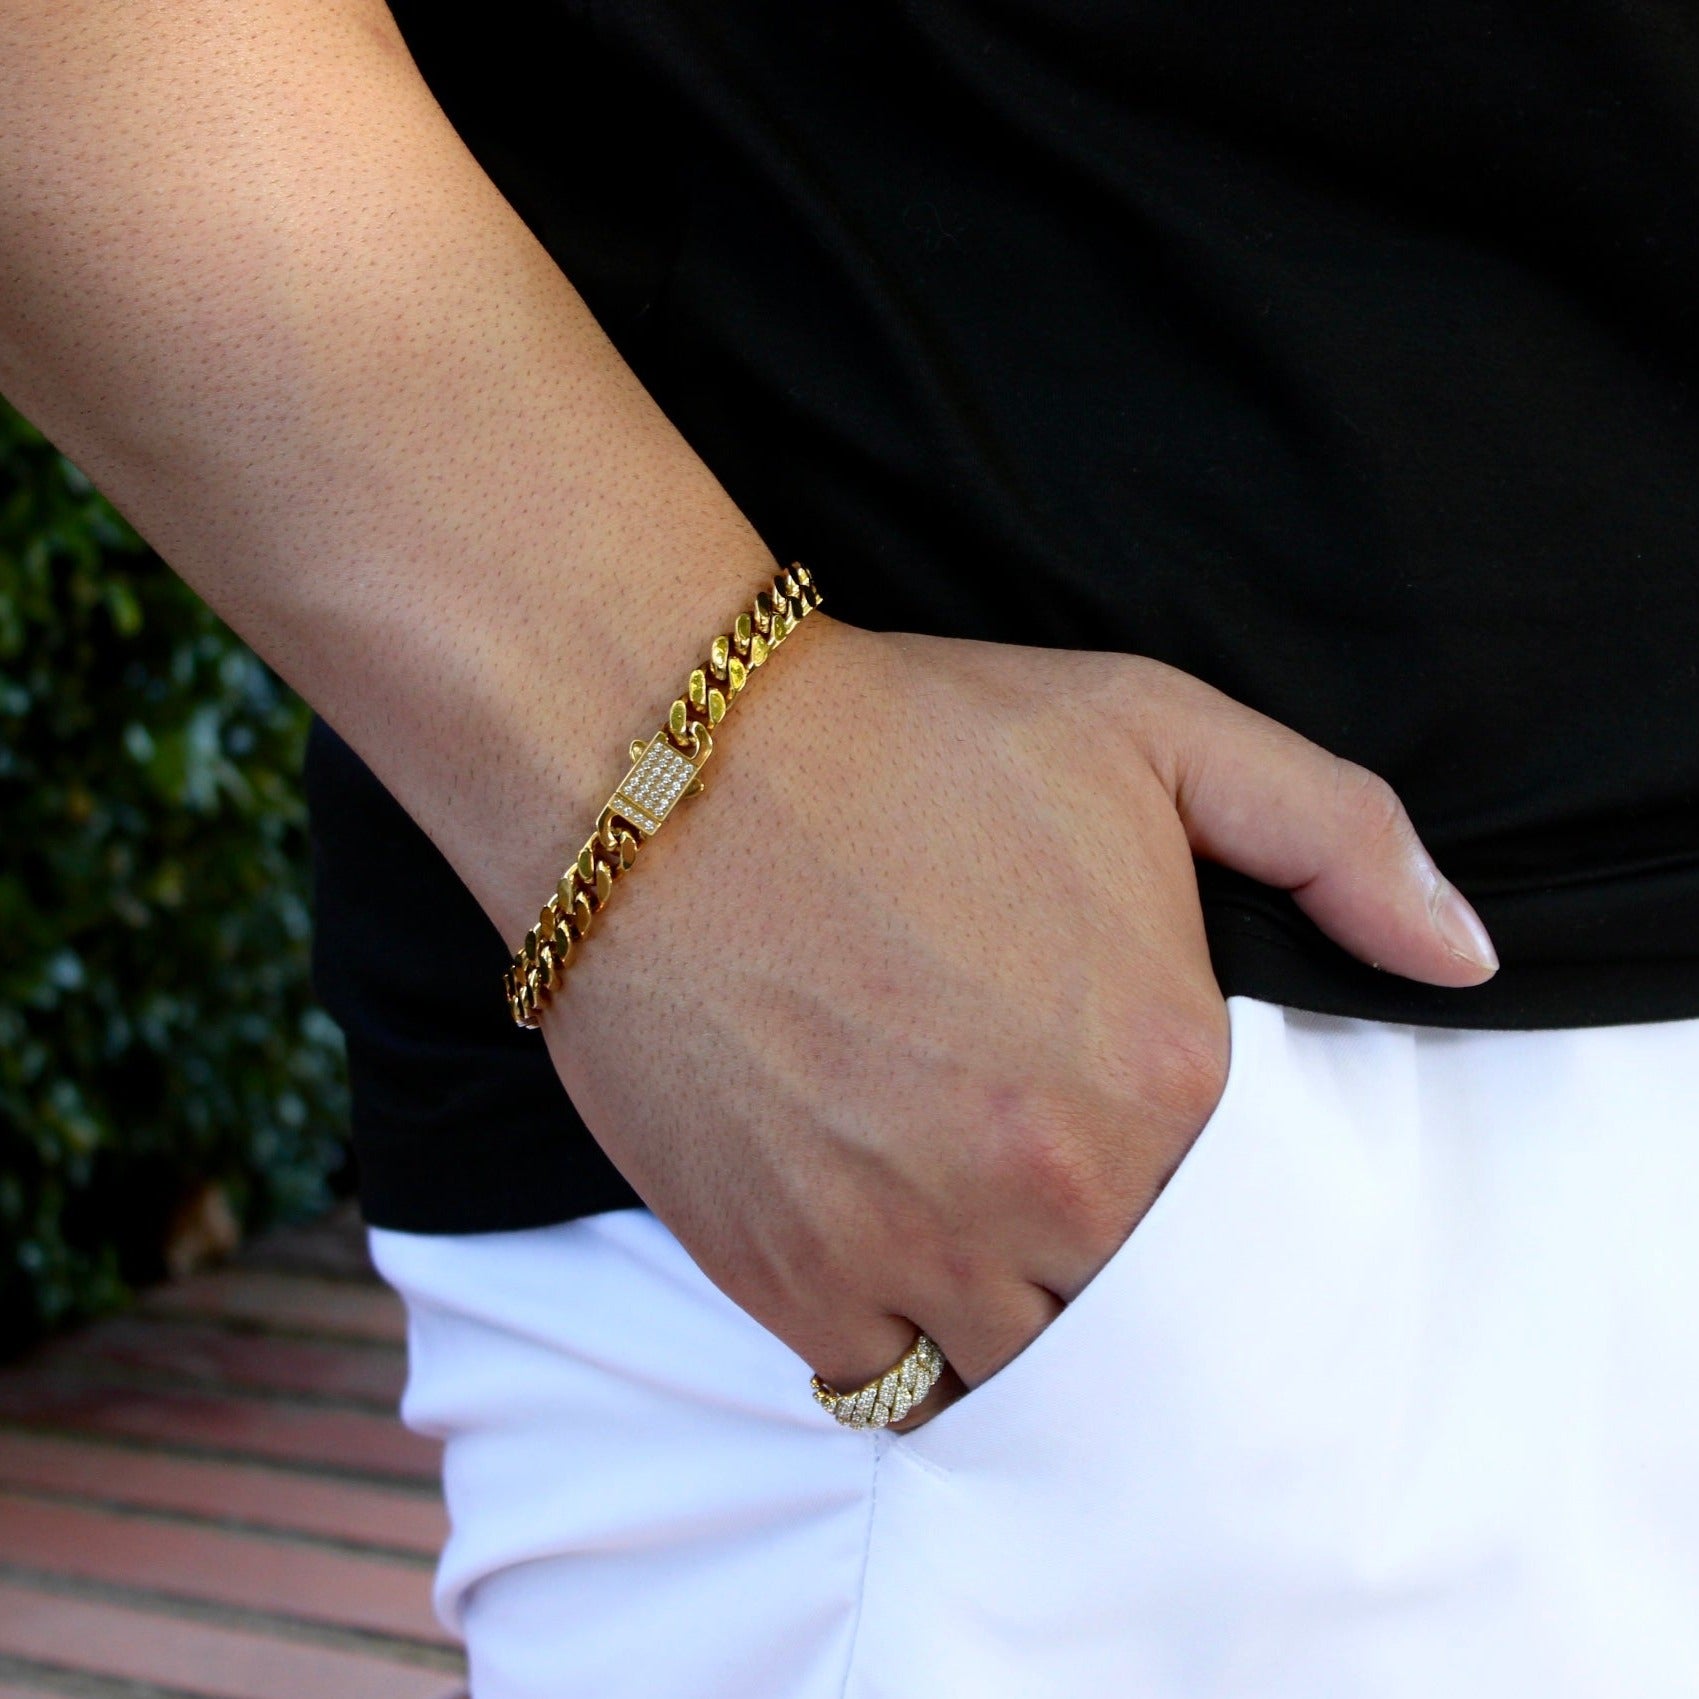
(254, 285)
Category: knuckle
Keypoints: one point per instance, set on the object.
(1074, 1156)
(1186, 1066)
(1002, 1342)
(1368, 802)
(1143, 677)
(1140, 694)
(1047, 1159)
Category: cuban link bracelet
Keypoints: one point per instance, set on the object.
(663, 770)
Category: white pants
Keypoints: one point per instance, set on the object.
(1393, 1395)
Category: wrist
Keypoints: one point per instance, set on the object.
(561, 811)
(554, 712)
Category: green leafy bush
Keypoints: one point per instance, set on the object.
(157, 1030)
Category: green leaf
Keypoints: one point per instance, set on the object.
(125, 609)
(156, 1015)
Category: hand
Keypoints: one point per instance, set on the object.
(907, 1020)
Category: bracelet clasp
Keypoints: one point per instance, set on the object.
(659, 776)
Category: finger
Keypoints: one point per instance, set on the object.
(978, 1342)
(1259, 797)
(949, 1387)
(859, 1350)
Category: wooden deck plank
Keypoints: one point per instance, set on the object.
(199, 1658)
(288, 1303)
(251, 1427)
(356, 1512)
(249, 1571)
(200, 1352)
(213, 1495)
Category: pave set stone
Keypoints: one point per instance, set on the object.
(650, 789)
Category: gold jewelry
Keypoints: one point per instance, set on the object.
(663, 770)
(892, 1395)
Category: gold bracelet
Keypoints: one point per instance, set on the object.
(663, 770)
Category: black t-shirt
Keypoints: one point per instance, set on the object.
(1341, 355)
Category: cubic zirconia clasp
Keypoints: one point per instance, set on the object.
(660, 774)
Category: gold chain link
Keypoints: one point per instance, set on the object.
(890, 1396)
(664, 770)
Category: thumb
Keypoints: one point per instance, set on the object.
(1259, 797)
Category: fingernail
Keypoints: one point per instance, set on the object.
(1458, 924)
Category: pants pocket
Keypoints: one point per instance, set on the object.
(643, 1498)
(1058, 1363)
(1186, 1442)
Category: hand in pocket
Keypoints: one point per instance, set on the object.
(912, 1025)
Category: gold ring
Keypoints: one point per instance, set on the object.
(892, 1395)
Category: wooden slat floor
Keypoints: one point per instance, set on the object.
(211, 1496)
